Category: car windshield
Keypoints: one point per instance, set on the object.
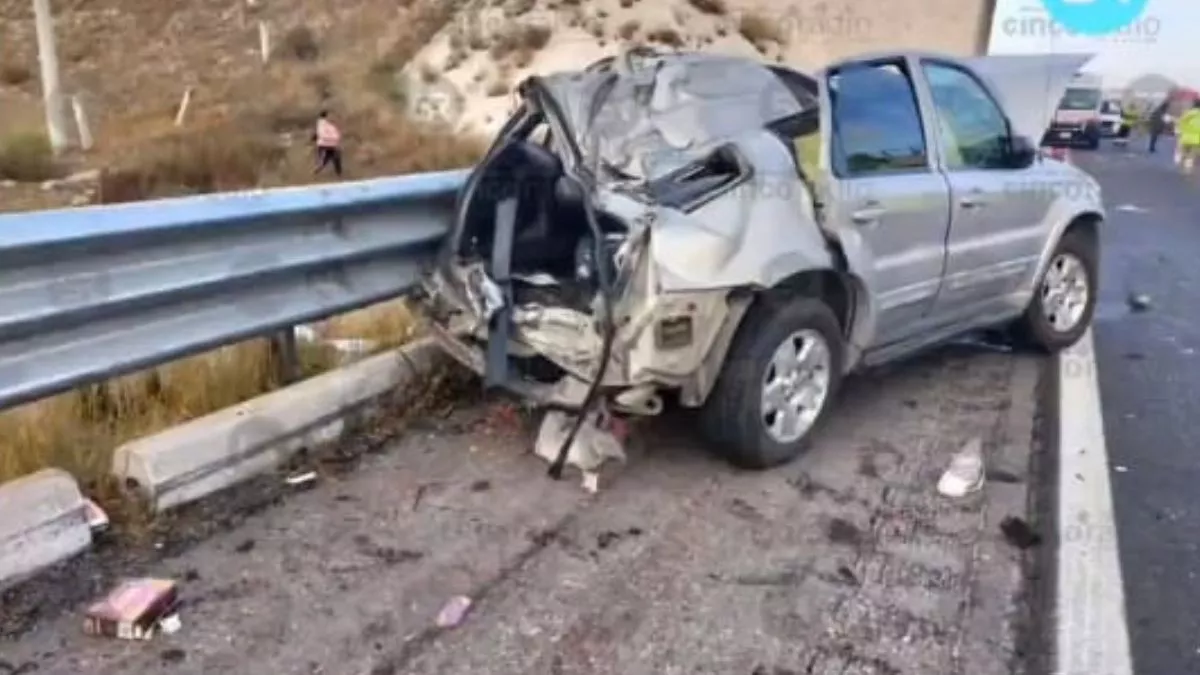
(663, 112)
(1111, 108)
(1080, 99)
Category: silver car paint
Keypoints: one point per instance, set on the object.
(922, 264)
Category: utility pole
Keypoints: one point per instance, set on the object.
(56, 121)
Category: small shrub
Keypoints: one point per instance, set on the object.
(628, 30)
(666, 36)
(27, 157)
(497, 87)
(714, 7)
(300, 43)
(758, 30)
(15, 74)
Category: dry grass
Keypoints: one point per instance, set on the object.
(300, 43)
(666, 36)
(78, 431)
(27, 157)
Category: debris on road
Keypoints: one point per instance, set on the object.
(965, 474)
(306, 479)
(97, 519)
(597, 440)
(454, 612)
(1138, 302)
(1120, 469)
(133, 610)
(1131, 208)
(1018, 533)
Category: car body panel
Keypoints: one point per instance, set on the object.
(915, 264)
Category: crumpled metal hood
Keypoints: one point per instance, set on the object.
(1030, 86)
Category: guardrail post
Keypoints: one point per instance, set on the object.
(285, 357)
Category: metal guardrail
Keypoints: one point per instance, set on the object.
(91, 293)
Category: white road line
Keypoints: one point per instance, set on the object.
(1092, 635)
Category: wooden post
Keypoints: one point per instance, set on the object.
(183, 107)
(56, 123)
(81, 123)
(264, 41)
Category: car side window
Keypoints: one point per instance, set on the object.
(974, 129)
(876, 122)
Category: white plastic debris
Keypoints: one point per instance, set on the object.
(170, 624)
(97, 519)
(454, 612)
(965, 473)
(301, 479)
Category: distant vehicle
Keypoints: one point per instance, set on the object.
(739, 236)
(1113, 120)
(1077, 120)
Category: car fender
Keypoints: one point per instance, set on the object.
(1084, 200)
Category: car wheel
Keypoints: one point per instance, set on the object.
(1065, 297)
(778, 381)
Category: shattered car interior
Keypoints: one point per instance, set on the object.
(633, 235)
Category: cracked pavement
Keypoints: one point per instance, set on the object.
(845, 562)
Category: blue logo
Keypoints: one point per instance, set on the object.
(1095, 17)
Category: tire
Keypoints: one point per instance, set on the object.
(733, 418)
(1036, 329)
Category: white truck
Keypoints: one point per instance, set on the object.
(1077, 121)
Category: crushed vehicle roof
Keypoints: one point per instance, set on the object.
(647, 115)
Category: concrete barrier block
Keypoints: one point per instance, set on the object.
(195, 459)
(42, 522)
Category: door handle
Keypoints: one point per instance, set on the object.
(870, 213)
(973, 200)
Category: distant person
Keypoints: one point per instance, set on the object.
(1188, 144)
(329, 144)
(1158, 122)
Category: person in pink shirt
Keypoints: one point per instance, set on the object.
(329, 144)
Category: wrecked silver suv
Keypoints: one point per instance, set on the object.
(739, 236)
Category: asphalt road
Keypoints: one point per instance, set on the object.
(845, 563)
(1149, 373)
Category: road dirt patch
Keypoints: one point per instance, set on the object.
(847, 561)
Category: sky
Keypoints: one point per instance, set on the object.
(1163, 39)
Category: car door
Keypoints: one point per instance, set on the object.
(886, 190)
(996, 231)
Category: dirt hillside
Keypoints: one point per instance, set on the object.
(372, 63)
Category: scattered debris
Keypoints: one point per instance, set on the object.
(481, 486)
(965, 474)
(302, 480)
(1120, 469)
(844, 532)
(133, 610)
(170, 624)
(245, 546)
(1131, 208)
(847, 575)
(173, 655)
(454, 612)
(1018, 533)
(1138, 302)
(97, 519)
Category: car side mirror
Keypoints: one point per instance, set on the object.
(1021, 152)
